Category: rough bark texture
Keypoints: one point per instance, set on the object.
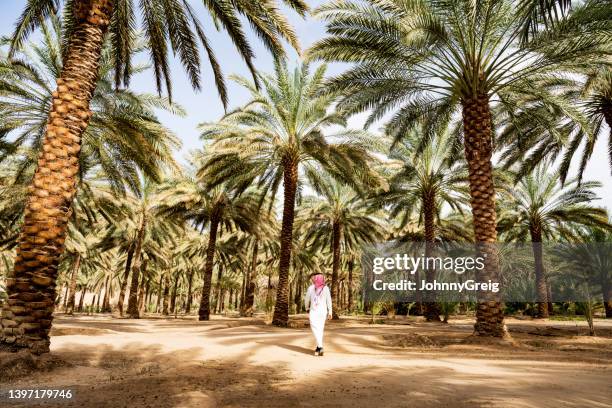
(432, 308)
(28, 313)
(541, 287)
(478, 150)
(336, 236)
(290, 179)
(204, 311)
(126, 276)
(249, 297)
(73, 282)
(133, 299)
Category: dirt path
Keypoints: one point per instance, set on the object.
(245, 363)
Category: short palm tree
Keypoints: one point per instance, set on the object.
(278, 138)
(429, 61)
(340, 221)
(88, 23)
(542, 209)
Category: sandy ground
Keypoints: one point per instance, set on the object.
(226, 362)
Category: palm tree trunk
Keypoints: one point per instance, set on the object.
(99, 299)
(189, 294)
(82, 299)
(126, 275)
(204, 311)
(477, 136)
(174, 291)
(432, 308)
(298, 292)
(336, 235)
(65, 297)
(143, 297)
(217, 304)
(290, 179)
(606, 291)
(541, 290)
(249, 297)
(133, 299)
(73, 282)
(27, 315)
(106, 301)
(351, 266)
(166, 295)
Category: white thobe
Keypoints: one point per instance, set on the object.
(320, 307)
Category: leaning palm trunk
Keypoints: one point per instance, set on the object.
(126, 275)
(478, 150)
(336, 235)
(28, 314)
(204, 311)
(73, 283)
(133, 299)
(290, 179)
(541, 286)
(432, 308)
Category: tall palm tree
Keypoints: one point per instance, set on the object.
(340, 221)
(218, 207)
(87, 23)
(426, 180)
(429, 61)
(542, 209)
(278, 137)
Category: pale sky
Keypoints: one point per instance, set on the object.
(205, 106)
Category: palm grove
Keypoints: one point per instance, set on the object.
(482, 108)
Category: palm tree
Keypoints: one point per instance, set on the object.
(341, 222)
(87, 23)
(542, 209)
(123, 134)
(432, 60)
(218, 207)
(278, 137)
(425, 180)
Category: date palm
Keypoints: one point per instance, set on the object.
(424, 181)
(278, 138)
(166, 24)
(542, 209)
(340, 221)
(137, 229)
(123, 134)
(219, 207)
(429, 61)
